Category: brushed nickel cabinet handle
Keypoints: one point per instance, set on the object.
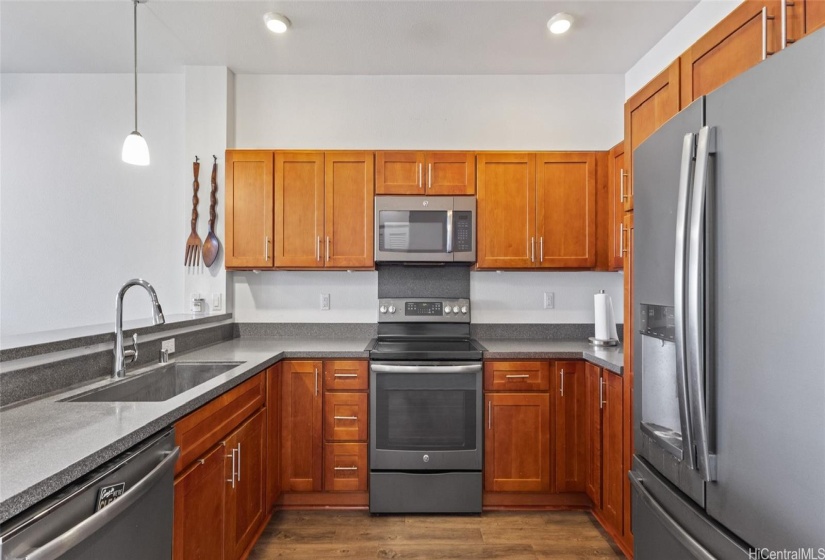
(561, 388)
(541, 251)
(420, 165)
(327, 248)
(517, 376)
(621, 240)
(231, 478)
(239, 461)
(345, 468)
(266, 248)
(317, 248)
(316, 382)
(765, 18)
(622, 175)
(345, 417)
(346, 375)
(602, 400)
(429, 175)
(532, 249)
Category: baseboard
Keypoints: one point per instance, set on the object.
(320, 500)
(492, 501)
(613, 534)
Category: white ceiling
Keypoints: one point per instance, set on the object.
(333, 36)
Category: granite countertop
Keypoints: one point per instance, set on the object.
(46, 444)
(611, 359)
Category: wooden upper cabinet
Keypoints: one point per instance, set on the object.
(517, 443)
(646, 111)
(348, 209)
(814, 14)
(450, 173)
(245, 509)
(566, 210)
(301, 426)
(506, 210)
(617, 175)
(399, 173)
(299, 209)
(570, 449)
(249, 192)
(743, 39)
(425, 173)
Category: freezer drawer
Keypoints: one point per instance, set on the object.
(666, 524)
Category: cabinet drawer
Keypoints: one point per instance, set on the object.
(517, 376)
(345, 467)
(345, 417)
(205, 427)
(345, 375)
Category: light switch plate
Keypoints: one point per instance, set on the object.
(324, 302)
(549, 300)
(216, 302)
(168, 345)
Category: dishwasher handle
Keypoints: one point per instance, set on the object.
(89, 526)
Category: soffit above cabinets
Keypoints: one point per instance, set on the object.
(334, 36)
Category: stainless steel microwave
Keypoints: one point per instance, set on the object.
(438, 229)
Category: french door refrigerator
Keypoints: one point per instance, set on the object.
(729, 296)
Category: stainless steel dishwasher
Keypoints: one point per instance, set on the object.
(121, 510)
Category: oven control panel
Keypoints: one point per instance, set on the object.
(423, 310)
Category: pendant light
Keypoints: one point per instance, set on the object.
(135, 149)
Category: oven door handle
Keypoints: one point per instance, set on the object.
(385, 368)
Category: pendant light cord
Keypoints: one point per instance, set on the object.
(135, 2)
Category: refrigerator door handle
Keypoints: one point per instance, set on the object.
(705, 145)
(685, 539)
(679, 295)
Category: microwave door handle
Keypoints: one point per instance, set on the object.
(449, 231)
(696, 362)
(679, 281)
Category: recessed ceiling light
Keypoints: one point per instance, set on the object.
(276, 22)
(560, 23)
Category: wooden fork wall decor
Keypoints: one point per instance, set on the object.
(193, 243)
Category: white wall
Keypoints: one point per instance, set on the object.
(580, 112)
(569, 112)
(209, 130)
(696, 23)
(75, 221)
(518, 297)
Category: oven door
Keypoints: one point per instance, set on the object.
(424, 229)
(425, 417)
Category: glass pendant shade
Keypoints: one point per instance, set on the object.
(135, 149)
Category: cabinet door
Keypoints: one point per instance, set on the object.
(646, 111)
(506, 210)
(399, 173)
(450, 173)
(593, 405)
(814, 14)
(199, 509)
(615, 212)
(348, 209)
(613, 451)
(273, 435)
(245, 510)
(299, 209)
(517, 443)
(345, 417)
(345, 467)
(566, 210)
(301, 427)
(629, 314)
(570, 449)
(249, 209)
(743, 39)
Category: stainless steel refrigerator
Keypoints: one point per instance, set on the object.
(729, 296)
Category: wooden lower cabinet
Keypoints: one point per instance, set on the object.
(345, 467)
(593, 405)
(199, 509)
(245, 509)
(517, 443)
(613, 471)
(273, 436)
(569, 450)
(301, 426)
(345, 417)
(220, 495)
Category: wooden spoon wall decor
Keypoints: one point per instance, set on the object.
(212, 245)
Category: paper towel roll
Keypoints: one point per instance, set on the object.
(605, 322)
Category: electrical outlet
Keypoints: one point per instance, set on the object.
(549, 300)
(168, 345)
(216, 302)
(325, 302)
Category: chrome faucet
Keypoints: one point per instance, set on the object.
(121, 355)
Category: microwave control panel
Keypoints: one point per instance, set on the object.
(463, 234)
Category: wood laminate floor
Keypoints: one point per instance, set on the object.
(357, 534)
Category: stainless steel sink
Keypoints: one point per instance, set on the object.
(160, 384)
